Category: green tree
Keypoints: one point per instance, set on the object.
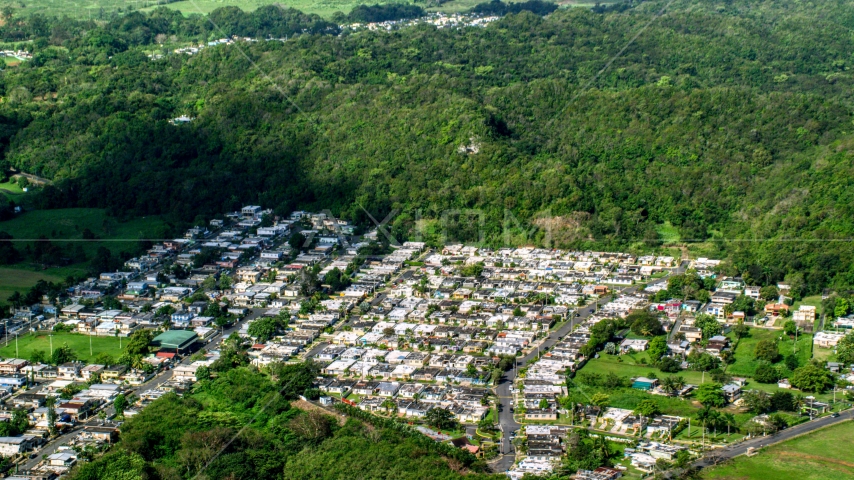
(781, 400)
(766, 373)
(811, 378)
(600, 400)
(50, 403)
(790, 327)
(740, 330)
(767, 350)
(757, 401)
(657, 348)
(710, 395)
(647, 408)
(845, 349)
(119, 404)
(264, 328)
(38, 356)
(441, 418)
(708, 325)
(296, 240)
(769, 293)
(63, 354)
(139, 343)
(644, 323)
(702, 361)
(841, 308)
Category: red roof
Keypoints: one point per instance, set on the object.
(165, 354)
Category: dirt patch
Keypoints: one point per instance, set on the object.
(308, 406)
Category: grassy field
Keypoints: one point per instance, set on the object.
(11, 191)
(65, 227)
(824, 454)
(628, 368)
(79, 343)
(12, 279)
(745, 362)
(96, 9)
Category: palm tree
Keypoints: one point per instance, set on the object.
(798, 402)
(388, 405)
(416, 398)
(600, 444)
(666, 385)
(728, 420)
(678, 382)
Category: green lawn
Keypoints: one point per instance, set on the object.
(745, 362)
(823, 454)
(65, 227)
(17, 279)
(608, 363)
(814, 300)
(11, 190)
(695, 434)
(78, 343)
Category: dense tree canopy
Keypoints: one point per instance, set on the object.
(178, 437)
(725, 121)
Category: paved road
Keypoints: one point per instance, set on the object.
(716, 456)
(505, 399)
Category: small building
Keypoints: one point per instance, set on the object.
(643, 383)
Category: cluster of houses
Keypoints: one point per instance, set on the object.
(439, 20)
(432, 338)
(410, 399)
(69, 409)
(18, 54)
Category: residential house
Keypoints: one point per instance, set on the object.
(633, 345)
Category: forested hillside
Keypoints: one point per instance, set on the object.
(729, 120)
(242, 425)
